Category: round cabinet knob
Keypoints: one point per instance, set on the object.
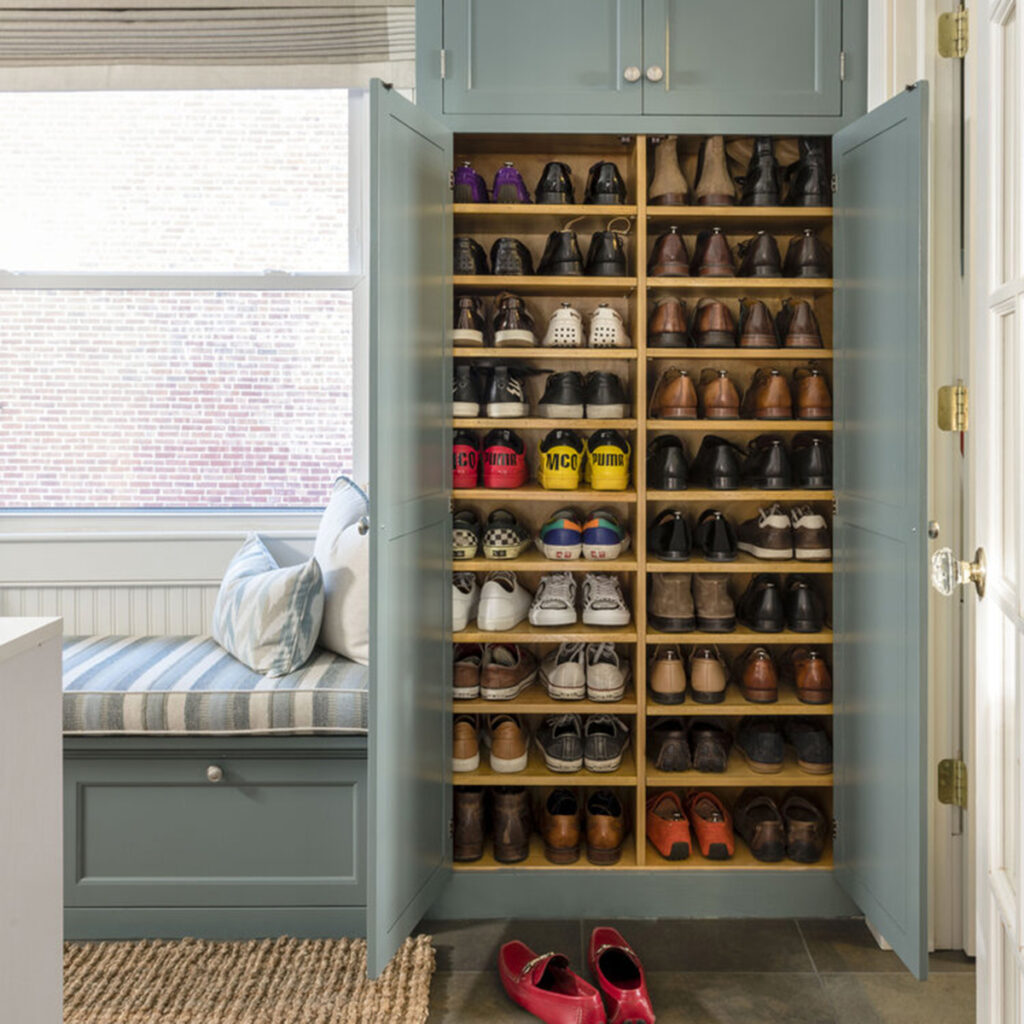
(654, 73)
(215, 773)
(632, 73)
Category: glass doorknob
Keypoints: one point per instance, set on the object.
(949, 572)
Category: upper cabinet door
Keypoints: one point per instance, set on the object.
(743, 57)
(410, 545)
(880, 590)
(542, 57)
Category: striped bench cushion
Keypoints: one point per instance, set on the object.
(178, 685)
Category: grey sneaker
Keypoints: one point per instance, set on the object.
(560, 738)
(606, 673)
(605, 739)
(564, 672)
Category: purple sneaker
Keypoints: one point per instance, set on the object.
(469, 186)
(509, 186)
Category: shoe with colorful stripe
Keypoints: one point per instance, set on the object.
(603, 536)
(561, 537)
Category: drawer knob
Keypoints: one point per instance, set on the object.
(215, 773)
(654, 73)
(632, 73)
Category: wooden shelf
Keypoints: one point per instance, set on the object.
(703, 426)
(705, 494)
(713, 285)
(524, 633)
(743, 563)
(534, 492)
(535, 701)
(539, 210)
(534, 561)
(534, 284)
(742, 860)
(766, 355)
(755, 216)
(740, 635)
(736, 704)
(738, 774)
(537, 774)
(543, 423)
(536, 859)
(541, 353)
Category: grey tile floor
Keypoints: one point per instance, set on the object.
(716, 972)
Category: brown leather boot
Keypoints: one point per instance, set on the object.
(808, 256)
(797, 325)
(757, 328)
(670, 605)
(511, 818)
(768, 397)
(708, 676)
(715, 186)
(667, 675)
(716, 612)
(713, 325)
(811, 676)
(606, 827)
(561, 827)
(674, 396)
(813, 398)
(667, 326)
(669, 257)
(719, 396)
(759, 678)
(668, 187)
(760, 256)
(469, 823)
(712, 256)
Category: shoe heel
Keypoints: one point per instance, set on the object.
(603, 857)
(561, 854)
(815, 483)
(760, 696)
(506, 854)
(730, 482)
(775, 412)
(814, 696)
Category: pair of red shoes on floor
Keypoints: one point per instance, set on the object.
(545, 986)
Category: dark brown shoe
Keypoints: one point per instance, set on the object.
(715, 186)
(606, 827)
(797, 325)
(760, 257)
(808, 256)
(769, 534)
(561, 827)
(511, 817)
(669, 186)
(813, 398)
(668, 746)
(674, 396)
(768, 397)
(709, 745)
(715, 609)
(758, 820)
(759, 677)
(712, 256)
(805, 829)
(469, 823)
(811, 676)
(667, 327)
(719, 396)
(669, 257)
(670, 605)
(757, 328)
(713, 325)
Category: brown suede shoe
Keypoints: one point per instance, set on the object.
(811, 676)
(715, 186)
(667, 326)
(511, 817)
(667, 675)
(758, 820)
(507, 738)
(561, 827)
(713, 325)
(708, 676)
(670, 605)
(813, 398)
(674, 396)
(759, 677)
(465, 743)
(797, 325)
(768, 397)
(668, 187)
(712, 256)
(606, 827)
(805, 829)
(469, 823)
(757, 328)
(716, 612)
(669, 257)
(719, 396)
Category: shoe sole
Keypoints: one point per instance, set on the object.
(814, 483)
(776, 555)
(507, 692)
(601, 552)
(504, 553)
(814, 696)
(766, 626)
(466, 764)
(608, 696)
(761, 767)
(607, 765)
(462, 553)
(559, 765)
(806, 626)
(567, 483)
(553, 618)
(606, 412)
(508, 765)
(618, 484)
(506, 410)
(813, 554)
(668, 698)
(668, 625)
(774, 412)
(814, 769)
(609, 618)
(465, 410)
(603, 857)
(474, 338)
(676, 412)
(561, 855)
(715, 625)
(560, 552)
(708, 698)
(489, 623)
(550, 411)
(515, 339)
(506, 194)
(760, 696)
(677, 851)
(667, 339)
(562, 344)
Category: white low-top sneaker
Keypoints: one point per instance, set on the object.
(504, 602)
(607, 673)
(465, 600)
(607, 329)
(563, 672)
(603, 603)
(565, 328)
(554, 604)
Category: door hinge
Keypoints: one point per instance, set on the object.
(451, 181)
(451, 827)
(953, 782)
(953, 38)
(842, 65)
(835, 507)
(953, 407)
(444, 65)
(835, 183)
(835, 829)
(451, 506)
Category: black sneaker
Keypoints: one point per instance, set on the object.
(513, 324)
(605, 396)
(469, 326)
(465, 391)
(563, 396)
(560, 738)
(505, 395)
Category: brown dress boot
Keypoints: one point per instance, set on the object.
(713, 325)
(668, 187)
(675, 396)
(757, 328)
(712, 256)
(560, 827)
(808, 256)
(811, 676)
(667, 675)
(715, 186)
(511, 817)
(606, 827)
(759, 679)
(667, 325)
(670, 606)
(469, 823)
(669, 257)
(797, 325)
(716, 612)
(813, 398)
(768, 397)
(719, 396)
(708, 677)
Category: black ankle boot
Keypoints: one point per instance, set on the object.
(762, 186)
(607, 255)
(555, 185)
(809, 183)
(562, 257)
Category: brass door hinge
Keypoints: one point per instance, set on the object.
(952, 407)
(953, 39)
(953, 782)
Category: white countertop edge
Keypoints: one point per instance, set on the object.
(18, 635)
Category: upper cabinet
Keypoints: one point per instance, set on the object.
(733, 66)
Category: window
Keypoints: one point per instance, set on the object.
(177, 300)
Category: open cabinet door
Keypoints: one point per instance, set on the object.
(410, 464)
(880, 612)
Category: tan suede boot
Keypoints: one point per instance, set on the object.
(669, 187)
(715, 186)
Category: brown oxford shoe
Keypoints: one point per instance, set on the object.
(797, 325)
(712, 256)
(811, 676)
(715, 186)
(757, 328)
(511, 824)
(713, 325)
(667, 325)
(561, 827)
(606, 827)
(760, 257)
(674, 396)
(813, 398)
(808, 256)
(669, 186)
(768, 397)
(720, 397)
(469, 823)
(759, 677)
(669, 257)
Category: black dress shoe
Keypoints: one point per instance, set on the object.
(607, 255)
(470, 257)
(510, 256)
(605, 396)
(562, 257)
(555, 185)
(709, 745)
(716, 537)
(767, 467)
(761, 743)
(760, 256)
(809, 183)
(666, 738)
(761, 606)
(812, 461)
(669, 537)
(812, 744)
(667, 467)
(605, 184)
(762, 184)
(808, 256)
(718, 464)
(805, 609)
(563, 396)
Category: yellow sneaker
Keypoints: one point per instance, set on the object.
(608, 461)
(561, 460)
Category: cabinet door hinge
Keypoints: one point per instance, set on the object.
(952, 407)
(451, 827)
(953, 37)
(451, 506)
(835, 829)
(953, 782)
(451, 181)
(444, 65)
(835, 183)
(842, 65)
(835, 507)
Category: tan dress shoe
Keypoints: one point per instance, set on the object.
(667, 325)
(606, 827)
(768, 397)
(713, 325)
(759, 678)
(669, 257)
(708, 676)
(667, 680)
(813, 398)
(561, 827)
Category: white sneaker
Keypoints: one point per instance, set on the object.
(563, 672)
(465, 600)
(607, 673)
(607, 329)
(554, 604)
(603, 603)
(504, 602)
(565, 328)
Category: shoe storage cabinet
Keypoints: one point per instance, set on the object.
(638, 366)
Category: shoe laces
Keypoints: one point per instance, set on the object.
(602, 654)
(559, 587)
(568, 653)
(506, 578)
(764, 514)
(559, 723)
(463, 582)
(602, 590)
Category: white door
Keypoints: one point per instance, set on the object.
(995, 454)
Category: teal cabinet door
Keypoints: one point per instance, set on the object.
(743, 57)
(880, 612)
(539, 57)
(410, 463)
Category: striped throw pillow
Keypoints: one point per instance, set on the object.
(266, 616)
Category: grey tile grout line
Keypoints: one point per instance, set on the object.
(817, 974)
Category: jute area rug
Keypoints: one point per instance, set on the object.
(272, 981)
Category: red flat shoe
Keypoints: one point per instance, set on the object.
(620, 976)
(544, 986)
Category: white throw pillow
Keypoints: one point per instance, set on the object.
(343, 554)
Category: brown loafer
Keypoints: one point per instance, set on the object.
(758, 820)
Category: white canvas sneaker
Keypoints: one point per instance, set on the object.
(607, 329)
(563, 672)
(504, 602)
(465, 600)
(607, 673)
(603, 603)
(565, 328)
(554, 604)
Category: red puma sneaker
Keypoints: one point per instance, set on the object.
(465, 459)
(620, 976)
(504, 459)
(544, 986)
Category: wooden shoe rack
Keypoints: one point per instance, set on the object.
(639, 366)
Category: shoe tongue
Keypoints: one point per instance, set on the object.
(708, 810)
(504, 655)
